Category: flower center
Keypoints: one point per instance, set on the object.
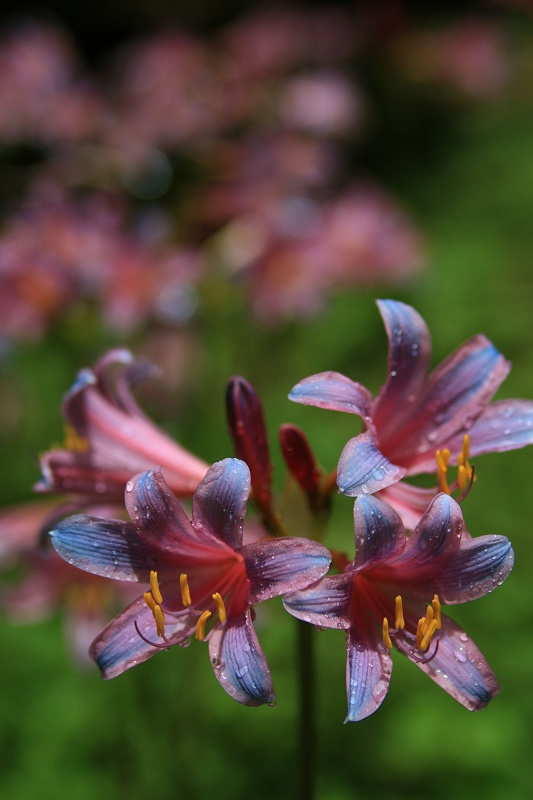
(426, 628)
(204, 616)
(465, 472)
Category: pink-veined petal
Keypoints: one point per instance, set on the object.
(368, 672)
(119, 647)
(325, 603)
(335, 392)
(285, 564)
(458, 666)
(379, 533)
(408, 363)
(219, 503)
(239, 663)
(363, 469)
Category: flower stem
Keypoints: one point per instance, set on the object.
(307, 729)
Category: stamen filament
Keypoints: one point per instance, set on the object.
(200, 625)
(221, 608)
(154, 586)
(399, 621)
(386, 635)
(185, 592)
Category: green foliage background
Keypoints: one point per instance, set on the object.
(165, 729)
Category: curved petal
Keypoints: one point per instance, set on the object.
(436, 538)
(368, 673)
(363, 469)
(503, 425)
(284, 564)
(455, 395)
(219, 503)
(408, 363)
(410, 502)
(478, 568)
(325, 603)
(160, 517)
(107, 547)
(458, 667)
(239, 663)
(379, 532)
(335, 392)
(119, 647)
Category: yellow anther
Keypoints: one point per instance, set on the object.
(154, 586)
(385, 631)
(159, 621)
(184, 588)
(442, 458)
(464, 469)
(426, 639)
(436, 610)
(466, 447)
(73, 441)
(149, 600)
(200, 625)
(399, 621)
(221, 608)
(420, 631)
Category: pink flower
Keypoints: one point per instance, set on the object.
(415, 415)
(382, 593)
(109, 438)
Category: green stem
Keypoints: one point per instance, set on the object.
(307, 730)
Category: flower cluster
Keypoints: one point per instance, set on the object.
(201, 573)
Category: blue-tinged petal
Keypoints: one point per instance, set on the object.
(106, 547)
(458, 666)
(368, 672)
(456, 393)
(503, 425)
(409, 501)
(478, 568)
(219, 503)
(119, 647)
(436, 538)
(335, 392)
(159, 515)
(284, 564)
(379, 532)
(363, 469)
(325, 603)
(408, 363)
(239, 662)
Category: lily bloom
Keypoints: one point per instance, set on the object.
(199, 572)
(416, 416)
(109, 438)
(380, 597)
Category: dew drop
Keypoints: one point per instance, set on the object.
(129, 486)
(393, 373)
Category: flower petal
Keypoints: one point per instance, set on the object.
(277, 566)
(160, 517)
(325, 603)
(219, 503)
(458, 667)
(408, 363)
(455, 395)
(437, 537)
(504, 425)
(107, 547)
(363, 469)
(409, 501)
(239, 662)
(478, 568)
(379, 532)
(368, 672)
(334, 391)
(119, 647)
